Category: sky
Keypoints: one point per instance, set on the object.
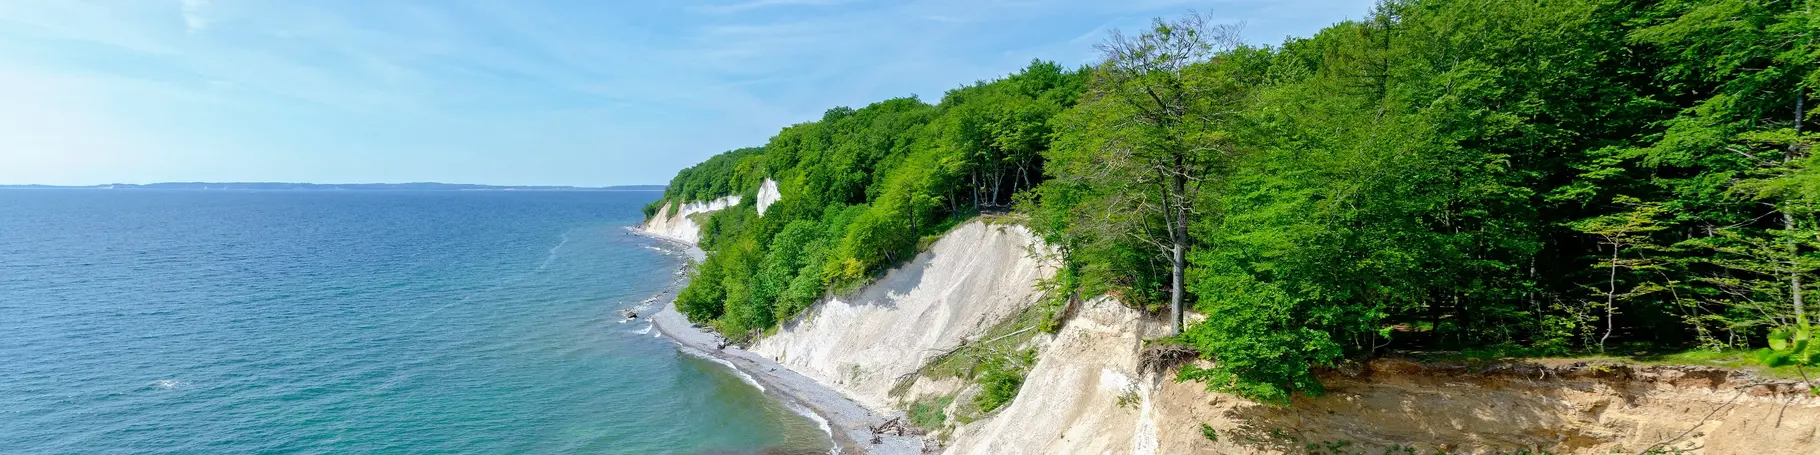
(513, 92)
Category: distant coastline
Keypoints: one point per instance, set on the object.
(281, 186)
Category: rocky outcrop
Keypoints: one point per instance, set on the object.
(681, 224)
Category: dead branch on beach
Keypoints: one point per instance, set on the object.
(893, 427)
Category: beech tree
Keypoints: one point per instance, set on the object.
(1154, 130)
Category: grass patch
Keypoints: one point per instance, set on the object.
(1001, 377)
(1129, 398)
(993, 360)
(1001, 338)
(1739, 359)
(930, 412)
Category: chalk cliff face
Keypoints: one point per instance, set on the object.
(1070, 402)
(767, 195)
(975, 276)
(681, 225)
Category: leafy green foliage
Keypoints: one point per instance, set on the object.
(1538, 176)
(1451, 175)
(930, 412)
(1791, 347)
(861, 188)
(724, 174)
(1001, 378)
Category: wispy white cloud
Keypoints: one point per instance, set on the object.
(762, 4)
(495, 90)
(192, 14)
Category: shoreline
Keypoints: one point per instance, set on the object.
(848, 423)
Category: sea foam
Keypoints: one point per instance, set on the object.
(736, 371)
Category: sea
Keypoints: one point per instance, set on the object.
(353, 322)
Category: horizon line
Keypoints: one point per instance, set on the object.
(257, 182)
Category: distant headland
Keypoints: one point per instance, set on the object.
(417, 186)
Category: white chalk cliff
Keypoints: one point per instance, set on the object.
(767, 195)
(681, 225)
(974, 277)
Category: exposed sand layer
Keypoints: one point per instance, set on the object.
(767, 195)
(681, 226)
(973, 277)
(1070, 403)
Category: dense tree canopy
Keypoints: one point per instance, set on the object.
(1541, 176)
(862, 187)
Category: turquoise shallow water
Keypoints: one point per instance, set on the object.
(351, 322)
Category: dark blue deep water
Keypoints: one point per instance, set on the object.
(351, 322)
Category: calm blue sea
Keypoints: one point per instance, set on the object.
(351, 322)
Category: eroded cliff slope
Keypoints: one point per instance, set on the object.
(1087, 395)
(680, 224)
(975, 276)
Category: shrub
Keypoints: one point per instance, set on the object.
(930, 412)
(1002, 377)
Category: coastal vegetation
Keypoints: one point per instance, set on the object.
(1531, 177)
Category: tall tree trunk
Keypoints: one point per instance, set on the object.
(1611, 295)
(1175, 289)
(998, 181)
(1788, 219)
(1794, 275)
(1024, 172)
(1178, 238)
(975, 175)
(954, 208)
(1434, 317)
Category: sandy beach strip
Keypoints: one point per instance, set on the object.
(849, 423)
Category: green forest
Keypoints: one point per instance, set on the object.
(1545, 177)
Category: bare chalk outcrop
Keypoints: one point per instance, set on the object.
(767, 195)
(680, 225)
(1085, 395)
(975, 276)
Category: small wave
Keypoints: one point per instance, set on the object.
(552, 256)
(646, 330)
(167, 384)
(819, 421)
(736, 371)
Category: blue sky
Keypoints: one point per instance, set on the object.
(503, 92)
